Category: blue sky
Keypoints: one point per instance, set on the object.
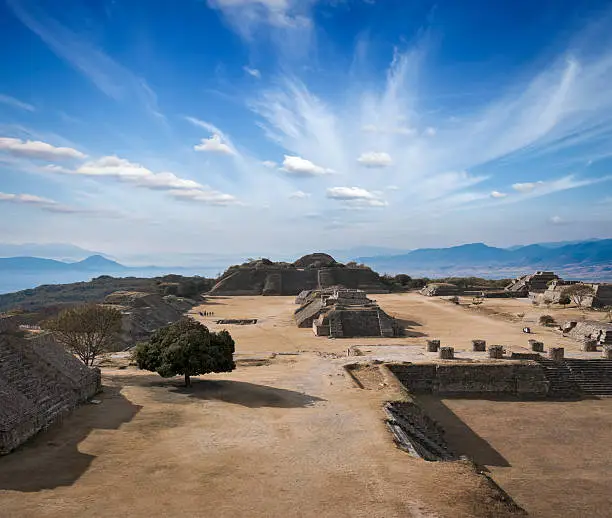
(282, 126)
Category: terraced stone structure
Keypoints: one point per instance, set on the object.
(602, 293)
(583, 330)
(344, 313)
(39, 383)
(143, 313)
(310, 272)
(535, 283)
(440, 289)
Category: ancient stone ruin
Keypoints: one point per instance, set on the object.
(602, 293)
(589, 330)
(39, 383)
(440, 289)
(343, 313)
(143, 313)
(534, 283)
(311, 272)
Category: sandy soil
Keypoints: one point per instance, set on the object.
(283, 435)
(553, 458)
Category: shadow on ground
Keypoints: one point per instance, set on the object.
(52, 459)
(461, 439)
(247, 394)
(407, 325)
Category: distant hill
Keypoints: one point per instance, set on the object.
(57, 251)
(96, 263)
(51, 297)
(580, 260)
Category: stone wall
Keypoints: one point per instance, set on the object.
(39, 382)
(518, 379)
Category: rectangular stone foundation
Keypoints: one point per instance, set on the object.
(517, 379)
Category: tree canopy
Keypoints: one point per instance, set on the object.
(578, 293)
(86, 331)
(186, 347)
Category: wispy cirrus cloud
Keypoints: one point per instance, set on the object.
(16, 103)
(111, 78)
(47, 204)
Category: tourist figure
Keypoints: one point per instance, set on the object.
(526, 330)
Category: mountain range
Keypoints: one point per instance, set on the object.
(94, 263)
(581, 260)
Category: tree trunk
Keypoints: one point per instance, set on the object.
(187, 380)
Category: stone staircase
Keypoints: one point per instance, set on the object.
(560, 379)
(416, 433)
(593, 377)
(574, 377)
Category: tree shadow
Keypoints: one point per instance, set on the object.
(461, 439)
(246, 394)
(52, 458)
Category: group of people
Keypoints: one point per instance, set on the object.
(206, 313)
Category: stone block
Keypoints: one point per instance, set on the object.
(496, 351)
(433, 346)
(447, 353)
(589, 346)
(607, 352)
(556, 354)
(536, 346)
(479, 345)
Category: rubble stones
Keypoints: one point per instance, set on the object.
(496, 351)
(447, 353)
(433, 346)
(556, 354)
(479, 345)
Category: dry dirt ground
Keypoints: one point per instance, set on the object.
(285, 435)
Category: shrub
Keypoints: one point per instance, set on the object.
(546, 320)
(454, 299)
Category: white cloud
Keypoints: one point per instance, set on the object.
(374, 159)
(37, 149)
(392, 188)
(356, 197)
(269, 164)
(497, 194)
(205, 195)
(124, 170)
(252, 72)
(299, 195)
(16, 103)
(214, 144)
(556, 220)
(219, 142)
(527, 186)
(298, 166)
(430, 131)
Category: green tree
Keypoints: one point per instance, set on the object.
(578, 293)
(86, 331)
(564, 300)
(188, 348)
